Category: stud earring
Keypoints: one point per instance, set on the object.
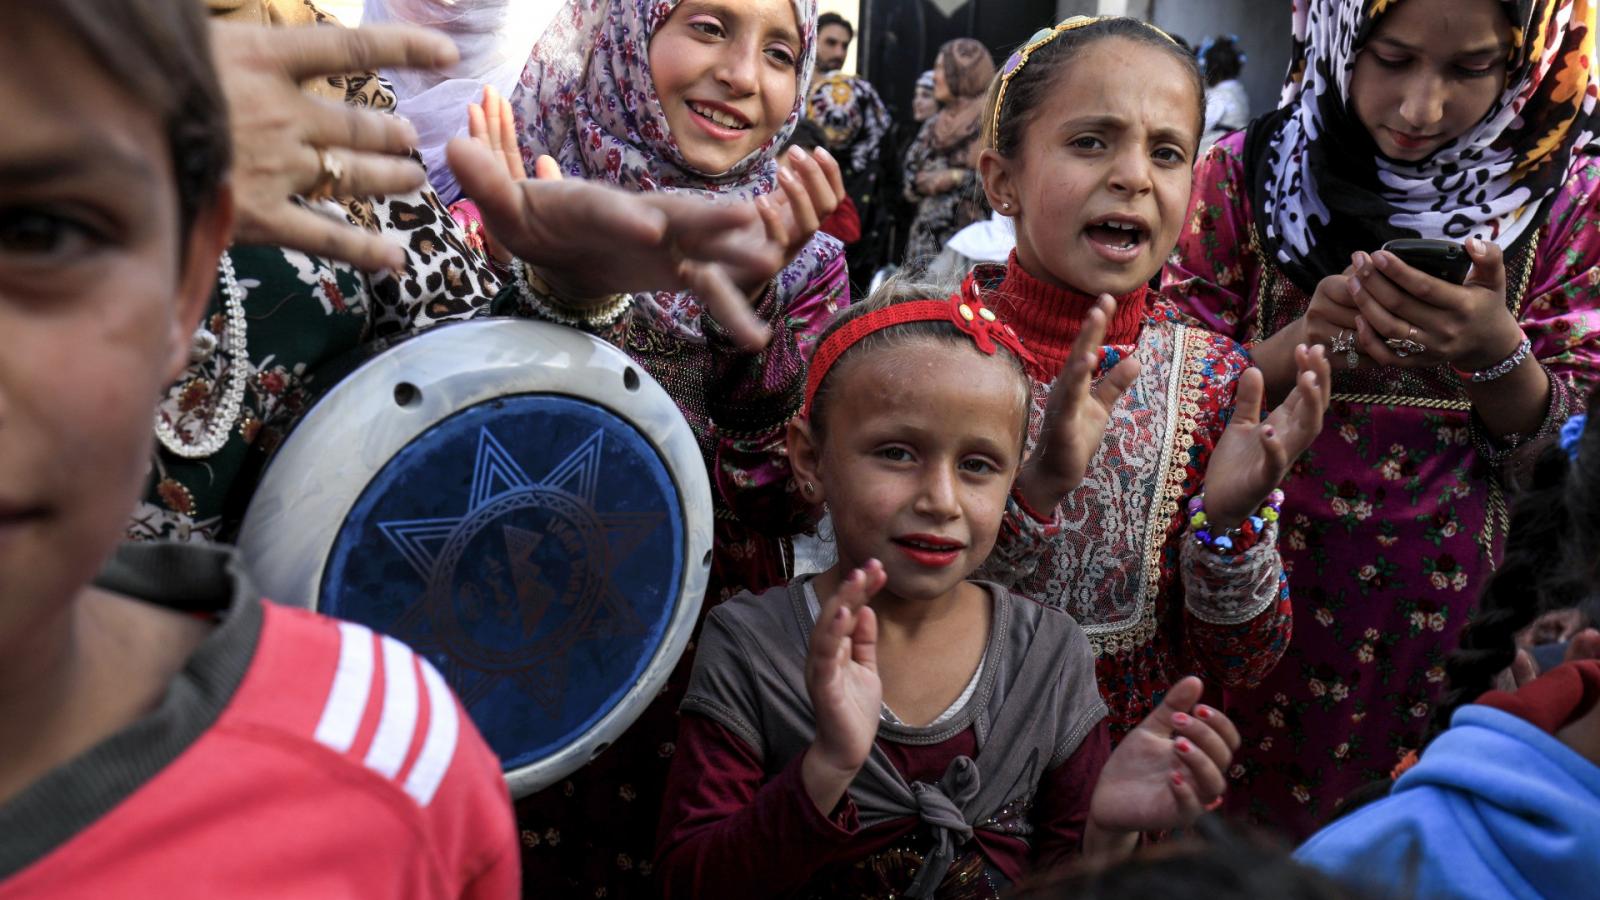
(1006, 206)
(809, 489)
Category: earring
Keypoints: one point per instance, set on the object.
(1006, 206)
(809, 489)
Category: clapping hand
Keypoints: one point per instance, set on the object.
(1076, 415)
(1252, 456)
(842, 680)
(1166, 770)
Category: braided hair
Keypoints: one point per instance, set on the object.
(1552, 562)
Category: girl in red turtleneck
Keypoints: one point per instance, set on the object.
(1166, 552)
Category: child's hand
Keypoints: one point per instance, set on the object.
(492, 123)
(1076, 416)
(1253, 456)
(842, 679)
(811, 189)
(1168, 769)
(590, 240)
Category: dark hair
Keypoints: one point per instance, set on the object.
(808, 135)
(1551, 562)
(833, 18)
(1031, 84)
(893, 292)
(1214, 862)
(160, 52)
(1221, 59)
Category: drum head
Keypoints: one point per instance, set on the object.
(522, 505)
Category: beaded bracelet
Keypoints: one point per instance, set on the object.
(1240, 538)
(1499, 369)
(544, 301)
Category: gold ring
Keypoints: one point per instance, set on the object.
(330, 173)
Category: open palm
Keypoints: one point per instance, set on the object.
(1252, 455)
(1168, 768)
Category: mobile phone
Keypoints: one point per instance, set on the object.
(1444, 260)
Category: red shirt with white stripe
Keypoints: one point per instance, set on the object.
(338, 764)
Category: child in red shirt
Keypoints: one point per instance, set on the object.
(166, 732)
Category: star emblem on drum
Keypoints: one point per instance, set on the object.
(523, 575)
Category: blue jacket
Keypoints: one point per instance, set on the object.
(1495, 808)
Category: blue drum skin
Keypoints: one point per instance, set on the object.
(532, 548)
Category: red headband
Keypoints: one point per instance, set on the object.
(964, 309)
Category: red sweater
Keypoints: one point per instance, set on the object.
(340, 765)
(725, 833)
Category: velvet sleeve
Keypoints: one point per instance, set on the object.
(1211, 274)
(1061, 808)
(1560, 312)
(725, 833)
(1236, 611)
(753, 396)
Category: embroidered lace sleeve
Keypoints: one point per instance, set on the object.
(1210, 275)
(1025, 539)
(1237, 616)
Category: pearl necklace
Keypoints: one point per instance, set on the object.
(234, 377)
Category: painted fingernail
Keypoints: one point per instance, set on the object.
(1203, 711)
(1180, 720)
(1184, 746)
(1269, 431)
(1177, 778)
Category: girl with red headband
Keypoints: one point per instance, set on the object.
(1165, 553)
(887, 727)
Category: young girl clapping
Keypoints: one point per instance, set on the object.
(889, 727)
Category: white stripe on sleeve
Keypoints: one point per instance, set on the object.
(352, 683)
(398, 721)
(439, 747)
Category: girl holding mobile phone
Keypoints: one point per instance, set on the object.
(1392, 127)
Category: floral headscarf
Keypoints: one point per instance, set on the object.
(1322, 191)
(587, 98)
(852, 117)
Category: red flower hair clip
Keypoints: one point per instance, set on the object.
(963, 309)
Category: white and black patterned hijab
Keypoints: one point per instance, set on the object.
(1321, 190)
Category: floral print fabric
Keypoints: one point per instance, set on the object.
(1392, 516)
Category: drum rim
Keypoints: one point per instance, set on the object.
(518, 353)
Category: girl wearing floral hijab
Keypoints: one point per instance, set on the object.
(941, 166)
(692, 97)
(1471, 121)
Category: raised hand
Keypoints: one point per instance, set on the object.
(590, 240)
(1253, 456)
(1076, 415)
(811, 189)
(281, 135)
(1168, 769)
(492, 122)
(842, 680)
